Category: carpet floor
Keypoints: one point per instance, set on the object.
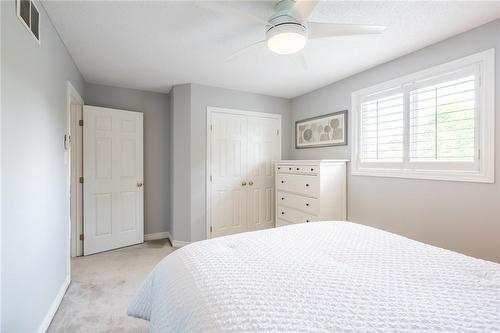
(102, 286)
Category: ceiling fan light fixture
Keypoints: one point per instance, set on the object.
(286, 38)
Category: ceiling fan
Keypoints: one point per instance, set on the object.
(287, 30)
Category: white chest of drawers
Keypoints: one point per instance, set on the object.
(310, 190)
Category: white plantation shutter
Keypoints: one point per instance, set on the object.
(434, 124)
(442, 119)
(382, 128)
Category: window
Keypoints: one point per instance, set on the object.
(434, 124)
(29, 16)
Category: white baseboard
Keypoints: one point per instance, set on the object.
(176, 243)
(157, 235)
(163, 235)
(55, 305)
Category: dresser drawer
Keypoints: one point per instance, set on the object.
(298, 169)
(300, 184)
(305, 204)
(295, 216)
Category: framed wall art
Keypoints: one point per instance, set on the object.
(323, 131)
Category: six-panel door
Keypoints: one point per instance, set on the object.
(243, 149)
(229, 169)
(263, 151)
(113, 178)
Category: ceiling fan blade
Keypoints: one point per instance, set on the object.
(304, 8)
(229, 10)
(324, 30)
(245, 50)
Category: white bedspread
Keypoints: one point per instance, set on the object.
(319, 277)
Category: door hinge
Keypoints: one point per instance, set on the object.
(81, 180)
(211, 127)
(210, 229)
(210, 177)
(80, 122)
(479, 154)
(81, 237)
(277, 132)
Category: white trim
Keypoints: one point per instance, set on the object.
(1, 187)
(71, 90)
(177, 243)
(208, 171)
(486, 119)
(76, 248)
(157, 235)
(54, 306)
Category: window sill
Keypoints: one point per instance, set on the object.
(428, 175)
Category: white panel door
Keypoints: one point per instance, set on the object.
(113, 179)
(242, 150)
(228, 166)
(264, 147)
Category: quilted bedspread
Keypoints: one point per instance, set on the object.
(319, 277)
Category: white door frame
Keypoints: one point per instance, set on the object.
(71, 95)
(208, 171)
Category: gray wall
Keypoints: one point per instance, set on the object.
(35, 183)
(189, 223)
(155, 107)
(463, 217)
(180, 156)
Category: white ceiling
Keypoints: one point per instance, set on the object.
(154, 45)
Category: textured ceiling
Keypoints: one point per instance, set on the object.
(154, 45)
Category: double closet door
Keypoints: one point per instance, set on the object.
(243, 147)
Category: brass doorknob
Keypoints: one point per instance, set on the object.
(243, 183)
(250, 183)
(140, 184)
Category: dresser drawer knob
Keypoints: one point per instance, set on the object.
(307, 204)
(312, 169)
(282, 198)
(282, 182)
(307, 185)
(289, 168)
(279, 168)
(307, 221)
(282, 213)
(298, 169)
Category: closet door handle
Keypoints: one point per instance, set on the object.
(243, 183)
(250, 183)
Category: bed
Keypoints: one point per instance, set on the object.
(319, 277)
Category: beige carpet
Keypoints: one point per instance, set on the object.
(102, 286)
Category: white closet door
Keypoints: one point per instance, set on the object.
(228, 165)
(264, 147)
(113, 179)
(242, 150)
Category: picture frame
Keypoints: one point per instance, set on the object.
(322, 131)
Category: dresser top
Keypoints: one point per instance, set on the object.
(312, 161)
